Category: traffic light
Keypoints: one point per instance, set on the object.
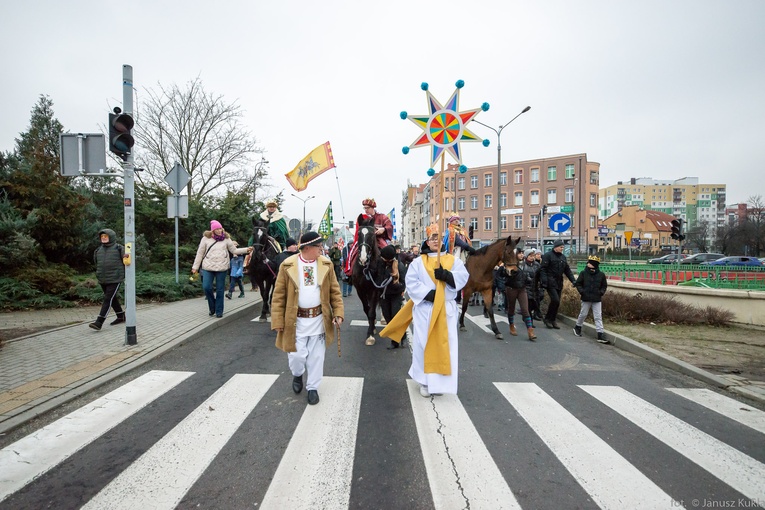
(677, 229)
(544, 209)
(120, 139)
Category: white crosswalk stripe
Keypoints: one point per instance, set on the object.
(461, 470)
(326, 436)
(738, 470)
(733, 409)
(618, 483)
(28, 458)
(189, 448)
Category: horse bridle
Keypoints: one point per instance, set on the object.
(261, 247)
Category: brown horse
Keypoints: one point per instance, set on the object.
(480, 265)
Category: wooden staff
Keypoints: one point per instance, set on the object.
(337, 337)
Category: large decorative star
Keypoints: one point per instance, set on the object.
(445, 127)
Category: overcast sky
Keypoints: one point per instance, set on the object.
(650, 88)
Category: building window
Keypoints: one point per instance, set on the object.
(460, 183)
(486, 201)
(519, 198)
(592, 221)
(461, 203)
(473, 182)
(503, 199)
(534, 197)
(534, 175)
(474, 202)
(552, 196)
(593, 177)
(552, 173)
(570, 171)
(503, 178)
(503, 222)
(534, 221)
(569, 194)
(518, 177)
(593, 199)
(487, 180)
(487, 226)
(474, 223)
(518, 222)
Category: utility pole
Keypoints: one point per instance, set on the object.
(128, 169)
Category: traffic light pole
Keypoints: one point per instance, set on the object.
(128, 168)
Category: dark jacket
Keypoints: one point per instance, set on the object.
(335, 255)
(591, 285)
(382, 273)
(554, 266)
(282, 257)
(514, 279)
(530, 270)
(108, 259)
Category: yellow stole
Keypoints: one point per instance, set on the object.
(437, 358)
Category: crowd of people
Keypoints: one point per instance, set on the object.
(419, 287)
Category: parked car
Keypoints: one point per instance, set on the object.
(735, 261)
(672, 258)
(702, 257)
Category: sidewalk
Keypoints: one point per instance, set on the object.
(41, 371)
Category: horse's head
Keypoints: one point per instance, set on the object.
(259, 238)
(367, 241)
(510, 254)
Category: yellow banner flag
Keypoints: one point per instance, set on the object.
(314, 164)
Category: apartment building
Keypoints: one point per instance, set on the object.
(514, 197)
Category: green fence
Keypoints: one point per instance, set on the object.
(690, 275)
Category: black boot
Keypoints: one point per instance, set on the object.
(97, 323)
(119, 320)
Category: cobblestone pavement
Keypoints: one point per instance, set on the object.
(43, 370)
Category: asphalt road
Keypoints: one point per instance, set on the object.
(563, 422)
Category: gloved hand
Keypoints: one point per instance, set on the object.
(441, 274)
(430, 296)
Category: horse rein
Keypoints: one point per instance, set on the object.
(262, 256)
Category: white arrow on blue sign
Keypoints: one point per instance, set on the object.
(559, 222)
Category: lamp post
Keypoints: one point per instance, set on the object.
(499, 163)
(302, 227)
(258, 168)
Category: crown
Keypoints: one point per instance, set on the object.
(432, 230)
(370, 202)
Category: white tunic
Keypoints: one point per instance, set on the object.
(418, 284)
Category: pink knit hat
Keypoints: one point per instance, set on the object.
(215, 224)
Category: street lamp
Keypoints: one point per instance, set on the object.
(499, 163)
(302, 228)
(258, 168)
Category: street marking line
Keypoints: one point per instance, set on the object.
(608, 478)
(317, 468)
(728, 407)
(162, 476)
(733, 467)
(461, 471)
(36, 454)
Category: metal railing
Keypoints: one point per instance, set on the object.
(691, 275)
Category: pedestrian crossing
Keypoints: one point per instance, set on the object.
(462, 468)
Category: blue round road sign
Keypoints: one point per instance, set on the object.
(559, 222)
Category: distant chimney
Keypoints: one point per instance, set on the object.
(632, 180)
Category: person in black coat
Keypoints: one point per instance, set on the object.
(554, 266)
(110, 260)
(389, 276)
(591, 284)
(515, 290)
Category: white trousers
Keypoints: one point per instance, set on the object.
(310, 357)
(597, 314)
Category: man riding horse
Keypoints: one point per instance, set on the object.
(277, 226)
(383, 230)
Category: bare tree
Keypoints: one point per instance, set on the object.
(698, 236)
(755, 223)
(203, 133)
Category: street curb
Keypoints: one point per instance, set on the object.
(660, 358)
(47, 404)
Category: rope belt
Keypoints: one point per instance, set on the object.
(307, 313)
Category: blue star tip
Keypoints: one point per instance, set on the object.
(460, 84)
(424, 85)
(486, 142)
(405, 150)
(485, 107)
(463, 169)
(403, 115)
(431, 172)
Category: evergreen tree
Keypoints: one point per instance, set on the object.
(35, 186)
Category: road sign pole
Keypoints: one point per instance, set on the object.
(128, 167)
